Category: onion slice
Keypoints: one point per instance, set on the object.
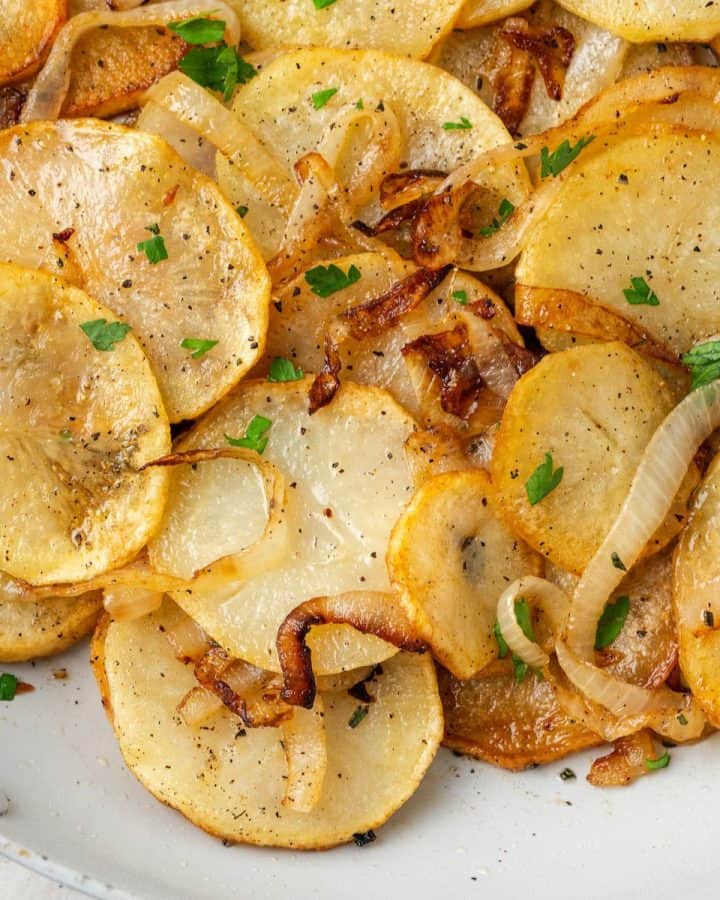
(124, 603)
(47, 95)
(553, 602)
(305, 747)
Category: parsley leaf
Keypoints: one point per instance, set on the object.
(662, 762)
(357, 717)
(242, 211)
(199, 30)
(254, 435)
(104, 335)
(505, 210)
(219, 68)
(704, 363)
(553, 163)
(284, 370)
(641, 294)
(524, 620)
(461, 297)
(618, 563)
(611, 622)
(320, 98)
(327, 280)
(503, 648)
(360, 104)
(199, 346)
(154, 247)
(8, 686)
(463, 125)
(543, 480)
(322, 4)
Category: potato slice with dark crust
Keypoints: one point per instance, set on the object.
(232, 784)
(451, 557)
(112, 67)
(592, 408)
(27, 30)
(511, 725)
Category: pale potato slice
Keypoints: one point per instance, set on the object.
(26, 35)
(451, 557)
(347, 483)
(651, 20)
(597, 235)
(278, 108)
(593, 408)
(407, 27)
(481, 12)
(110, 68)
(233, 786)
(515, 726)
(32, 627)
(76, 426)
(117, 183)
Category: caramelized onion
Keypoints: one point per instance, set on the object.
(198, 706)
(626, 763)
(188, 641)
(125, 603)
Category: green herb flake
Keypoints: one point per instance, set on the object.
(461, 297)
(255, 435)
(524, 620)
(66, 434)
(103, 335)
(8, 686)
(682, 718)
(320, 98)
(560, 158)
(327, 280)
(503, 648)
(543, 480)
(154, 247)
(360, 104)
(219, 68)
(505, 210)
(611, 622)
(520, 669)
(662, 762)
(357, 717)
(199, 346)
(242, 211)
(641, 294)
(618, 563)
(199, 30)
(463, 125)
(704, 363)
(284, 370)
(567, 775)
(323, 4)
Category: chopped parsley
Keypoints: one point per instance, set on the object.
(662, 762)
(463, 125)
(357, 717)
(103, 335)
(505, 210)
(327, 280)
(8, 686)
(503, 648)
(242, 211)
(320, 98)
(362, 838)
(199, 346)
(199, 30)
(618, 563)
(560, 158)
(219, 68)
(154, 247)
(461, 297)
(284, 370)
(255, 435)
(641, 294)
(524, 620)
(543, 480)
(682, 718)
(360, 104)
(66, 434)
(567, 775)
(322, 4)
(704, 363)
(611, 622)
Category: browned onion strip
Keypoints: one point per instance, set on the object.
(399, 188)
(123, 603)
(188, 640)
(626, 763)
(198, 706)
(551, 48)
(47, 95)
(305, 747)
(370, 612)
(512, 86)
(327, 382)
(137, 574)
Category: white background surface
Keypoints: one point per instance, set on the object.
(17, 883)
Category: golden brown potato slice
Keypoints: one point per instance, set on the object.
(117, 184)
(593, 409)
(27, 30)
(451, 557)
(512, 725)
(111, 67)
(78, 419)
(232, 785)
(652, 20)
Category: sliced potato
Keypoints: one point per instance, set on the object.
(347, 483)
(32, 628)
(407, 27)
(451, 557)
(232, 785)
(116, 184)
(652, 20)
(586, 244)
(481, 12)
(26, 35)
(511, 725)
(110, 68)
(76, 425)
(593, 408)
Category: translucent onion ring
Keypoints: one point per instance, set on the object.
(305, 746)
(554, 603)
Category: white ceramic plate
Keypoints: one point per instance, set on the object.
(79, 817)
